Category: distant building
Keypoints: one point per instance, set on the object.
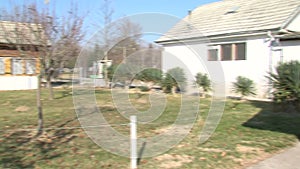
(19, 56)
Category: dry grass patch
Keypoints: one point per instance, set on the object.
(169, 161)
(22, 109)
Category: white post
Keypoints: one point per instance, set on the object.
(133, 142)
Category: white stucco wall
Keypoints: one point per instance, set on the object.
(18, 82)
(185, 57)
(256, 66)
(291, 50)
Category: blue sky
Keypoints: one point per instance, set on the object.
(178, 8)
(121, 8)
(91, 8)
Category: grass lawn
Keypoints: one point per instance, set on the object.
(249, 131)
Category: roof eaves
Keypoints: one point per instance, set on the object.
(219, 36)
(291, 18)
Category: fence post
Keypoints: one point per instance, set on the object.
(133, 142)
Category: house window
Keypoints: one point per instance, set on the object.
(2, 66)
(228, 52)
(212, 54)
(240, 51)
(17, 66)
(30, 67)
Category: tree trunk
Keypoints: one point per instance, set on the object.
(49, 85)
(105, 71)
(50, 72)
(39, 107)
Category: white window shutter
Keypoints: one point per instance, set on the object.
(17, 67)
(2, 66)
(30, 67)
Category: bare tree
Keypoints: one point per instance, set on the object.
(39, 32)
(108, 33)
(57, 39)
(117, 39)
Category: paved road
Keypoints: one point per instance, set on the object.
(289, 159)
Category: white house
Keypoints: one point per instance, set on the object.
(236, 37)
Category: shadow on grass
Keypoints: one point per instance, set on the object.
(23, 149)
(10, 143)
(65, 92)
(273, 118)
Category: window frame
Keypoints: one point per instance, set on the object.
(14, 68)
(226, 56)
(237, 51)
(210, 48)
(33, 64)
(234, 51)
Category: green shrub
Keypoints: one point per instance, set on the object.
(144, 88)
(168, 83)
(286, 83)
(243, 86)
(150, 75)
(174, 78)
(203, 81)
(111, 71)
(121, 73)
